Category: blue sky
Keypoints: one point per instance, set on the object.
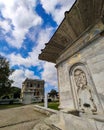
(25, 27)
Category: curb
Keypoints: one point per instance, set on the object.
(44, 110)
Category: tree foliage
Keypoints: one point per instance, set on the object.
(5, 72)
(15, 91)
(53, 93)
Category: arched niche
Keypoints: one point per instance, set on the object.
(84, 93)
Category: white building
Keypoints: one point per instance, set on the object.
(32, 91)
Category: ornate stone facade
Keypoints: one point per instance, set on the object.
(32, 91)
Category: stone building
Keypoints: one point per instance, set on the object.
(32, 91)
(77, 49)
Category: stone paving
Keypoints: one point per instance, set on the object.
(20, 118)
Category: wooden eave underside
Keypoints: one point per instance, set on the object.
(82, 15)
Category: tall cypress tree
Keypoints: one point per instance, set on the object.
(5, 71)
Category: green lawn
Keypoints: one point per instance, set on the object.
(6, 106)
(52, 105)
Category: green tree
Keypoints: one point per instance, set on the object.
(5, 72)
(53, 93)
(16, 92)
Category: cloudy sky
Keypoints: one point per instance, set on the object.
(25, 27)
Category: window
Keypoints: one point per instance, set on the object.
(34, 84)
(30, 85)
(27, 84)
(34, 93)
(38, 85)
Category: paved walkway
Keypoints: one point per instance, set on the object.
(20, 118)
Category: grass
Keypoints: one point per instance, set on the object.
(6, 106)
(52, 105)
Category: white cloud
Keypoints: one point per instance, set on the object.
(32, 59)
(50, 74)
(43, 37)
(5, 25)
(20, 75)
(50, 7)
(17, 59)
(22, 17)
(19, 18)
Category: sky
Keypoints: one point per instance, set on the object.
(25, 27)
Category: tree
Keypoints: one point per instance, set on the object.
(15, 91)
(5, 72)
(53, 93)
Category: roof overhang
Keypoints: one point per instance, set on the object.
(83, 15)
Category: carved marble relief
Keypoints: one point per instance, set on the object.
(84, 93)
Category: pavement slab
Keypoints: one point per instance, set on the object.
(20, 118)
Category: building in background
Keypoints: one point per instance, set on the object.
(32, 91)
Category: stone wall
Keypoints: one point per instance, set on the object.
(91, 59)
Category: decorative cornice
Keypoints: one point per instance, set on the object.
(85, 39)
(83, 15)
